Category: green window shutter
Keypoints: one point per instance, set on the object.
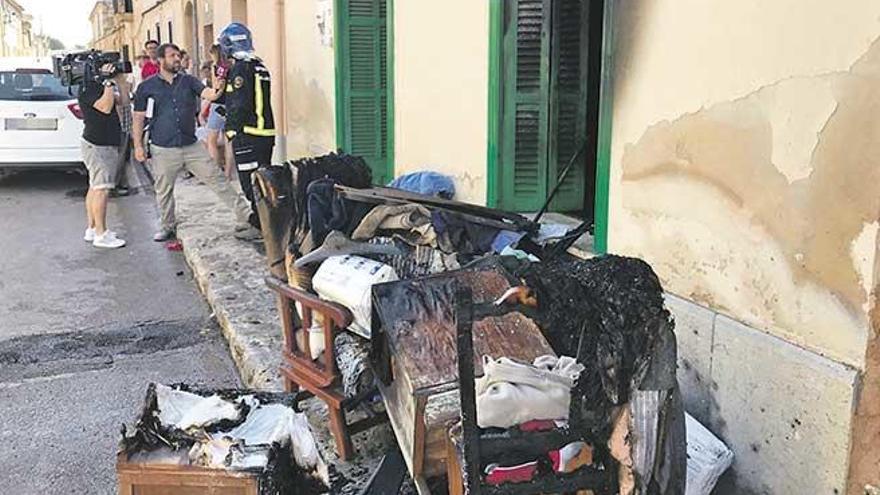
(568, 102)
(365, 69)
(543, 116)
(525, 113)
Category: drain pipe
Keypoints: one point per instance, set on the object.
(280, 113)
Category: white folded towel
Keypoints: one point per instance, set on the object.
(511, 393)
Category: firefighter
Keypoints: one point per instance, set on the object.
(250, 125)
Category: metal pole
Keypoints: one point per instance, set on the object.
(559, 182)
(197, 56)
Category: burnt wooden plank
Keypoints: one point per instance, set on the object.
(398, 196)
(425, 346)
(388, 476)
(419, 437)
(470, 431)
(422, 400)
(400, 407)
(160, 479)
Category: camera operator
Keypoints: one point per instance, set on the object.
(100, 148)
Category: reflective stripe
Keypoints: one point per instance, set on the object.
(255, 131)
(245, 167)
(258, 96)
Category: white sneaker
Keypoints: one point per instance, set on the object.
(89, 235)
(108, 240)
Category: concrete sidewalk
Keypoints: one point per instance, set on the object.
(230, 273)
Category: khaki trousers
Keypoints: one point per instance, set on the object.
(169, 162)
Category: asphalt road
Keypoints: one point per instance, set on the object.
(84, 331)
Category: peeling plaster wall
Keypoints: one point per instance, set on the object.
(746, 160)
(309, 83)
(441, 91)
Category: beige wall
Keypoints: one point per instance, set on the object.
(146, 19)
(441, 91)
(227, 11)
(266, 22)
(745, 159)
(309, 83)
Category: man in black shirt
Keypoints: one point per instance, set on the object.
(100, 149)
(169, 100)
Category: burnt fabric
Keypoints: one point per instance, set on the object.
(457, 235)
(353, 362)
(606, 310)
(609, 312)
(660, 442)
(326, 211)
(291, 463)
(410, 222)
(337, 244)
(344, 169)
(415, 261)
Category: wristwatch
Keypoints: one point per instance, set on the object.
(109, 82)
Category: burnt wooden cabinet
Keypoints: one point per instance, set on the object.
(422, 399)
(137, 478)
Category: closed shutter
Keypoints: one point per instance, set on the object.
(568, 102)
(543, 106)
(365, 83)
(525, 115)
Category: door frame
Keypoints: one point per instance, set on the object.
(600, 127)
(341, 63)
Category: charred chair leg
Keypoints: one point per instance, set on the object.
(339, 427)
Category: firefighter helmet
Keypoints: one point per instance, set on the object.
(236, 41)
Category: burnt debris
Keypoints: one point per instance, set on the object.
(280, 474)
(608, 312)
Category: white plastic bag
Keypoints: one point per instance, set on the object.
(186, 410)
(348, 280)
(708, 458)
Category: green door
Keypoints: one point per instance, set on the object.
(362, 99)
(543, 103)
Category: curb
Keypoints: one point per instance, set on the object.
(223, 268)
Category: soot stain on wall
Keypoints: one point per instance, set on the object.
(815, 219)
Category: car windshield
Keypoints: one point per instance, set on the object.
(33, 85)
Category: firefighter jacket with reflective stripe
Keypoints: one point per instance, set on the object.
(249, 99)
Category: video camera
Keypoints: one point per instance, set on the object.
(75, 68)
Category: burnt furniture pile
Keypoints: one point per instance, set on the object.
(503, 362)
(195, 440)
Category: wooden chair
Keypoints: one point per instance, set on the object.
(319, 377)
(468, 450)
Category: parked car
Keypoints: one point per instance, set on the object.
(40, 120)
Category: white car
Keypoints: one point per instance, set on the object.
(40, 120)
